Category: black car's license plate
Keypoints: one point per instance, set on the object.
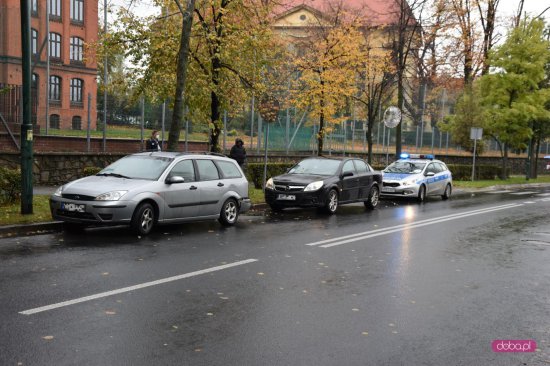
(73, 207)
(286, 197)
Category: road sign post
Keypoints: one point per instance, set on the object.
(475, 134)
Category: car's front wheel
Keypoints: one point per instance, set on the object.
(332, 201)
(143, 220)
(229, 212)
(448, 192)
(421, 193)
(374, 197)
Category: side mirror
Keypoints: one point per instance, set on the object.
(175, 179)
(430, 174)
(347, 174)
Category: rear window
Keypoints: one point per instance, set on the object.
(229, 169)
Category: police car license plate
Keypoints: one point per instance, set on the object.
(286, 197)
(73, 207)
(389, 190)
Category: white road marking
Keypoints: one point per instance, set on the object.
(135, 287)
(529, 202)
(495, 192)
(522, 193)
(543, 194)
(379, 232)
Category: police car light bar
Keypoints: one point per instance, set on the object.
(416, 156)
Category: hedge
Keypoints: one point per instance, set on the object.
(483, 172)
(255, 171)
(10, 185)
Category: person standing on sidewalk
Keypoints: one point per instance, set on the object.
(153, 143)
(238, 152)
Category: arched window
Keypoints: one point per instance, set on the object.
(34, 7)
(54, 121)
(55, 45)
(55, 88)
(35, 80)
(77, 49)
(76, 90)
(77, 11)
(34, 41)
(77, 123)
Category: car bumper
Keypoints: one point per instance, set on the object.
(245, 205)
(301, 199)
(401, 191)
(92, 212)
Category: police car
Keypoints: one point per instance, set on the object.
(418, 176)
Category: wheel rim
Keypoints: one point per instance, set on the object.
(374, 197)
(147, 218)
(332, 201)
(230, 211)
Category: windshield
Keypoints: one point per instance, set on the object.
(137, 167)
(405, 167)
(316, 167)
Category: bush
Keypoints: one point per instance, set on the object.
(483, 172)
(10, 185)
(255, 172)
(91, 170)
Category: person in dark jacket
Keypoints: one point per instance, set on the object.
(238, 152)
(153, 143)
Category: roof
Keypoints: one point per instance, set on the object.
(375, 12)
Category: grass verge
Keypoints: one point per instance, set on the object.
(511, 180)
(11, 213)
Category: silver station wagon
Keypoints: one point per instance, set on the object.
(145, 189)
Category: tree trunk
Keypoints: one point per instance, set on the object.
(504, 173)
(181, 76)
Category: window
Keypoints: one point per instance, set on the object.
(55, 45)
(361, 166)
(348, 167)
(34, 7)
(55, 9)
(34, 41)
(185, 170)
(55, 88)
(34, 84)
(77, 11)
(229, 169)
(54, 121)
(77, 123)
(76, 90)
(207, 170)
(77, 49)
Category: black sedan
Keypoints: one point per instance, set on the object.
(325, 183)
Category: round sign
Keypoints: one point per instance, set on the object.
(392, 117)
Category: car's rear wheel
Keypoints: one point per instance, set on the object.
(448, 192)
(421, 193)
(374, 197)
(229, 212)
(332, 201)
(143, 220)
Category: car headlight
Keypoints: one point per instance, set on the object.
(409, 182)
(58, 191)
(314, 186)
(269, 184)
(111, 196)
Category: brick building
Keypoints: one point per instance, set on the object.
(73, 72)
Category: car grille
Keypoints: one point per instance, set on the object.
(288, 188)
(78, 197)
(390, 184)
(76, 215)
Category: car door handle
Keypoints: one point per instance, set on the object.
(220, 184)
(192, 188)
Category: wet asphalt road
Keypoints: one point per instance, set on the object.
(405, 284)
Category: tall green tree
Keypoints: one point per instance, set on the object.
(512, 97)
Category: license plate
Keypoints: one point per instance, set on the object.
(73, 207)
(389, 190)
(286, 197)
